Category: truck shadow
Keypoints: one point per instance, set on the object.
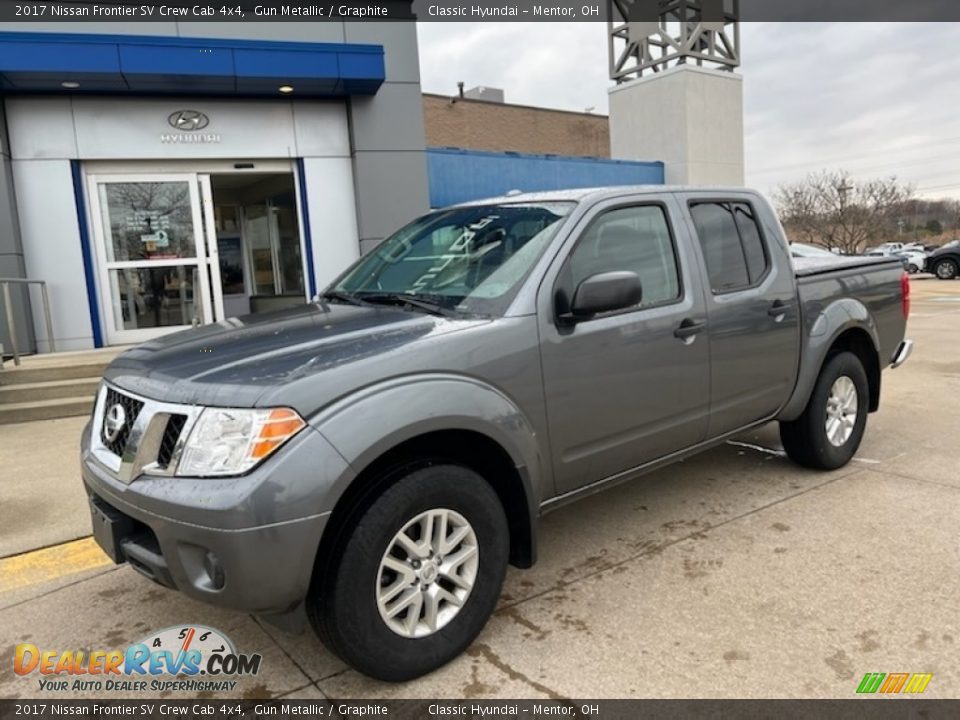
(642, 516)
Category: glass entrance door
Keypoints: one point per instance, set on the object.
(153, 269)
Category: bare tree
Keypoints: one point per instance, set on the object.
(830, 209)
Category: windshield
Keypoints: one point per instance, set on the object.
(468, 259)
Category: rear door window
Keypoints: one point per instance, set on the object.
(732, 245)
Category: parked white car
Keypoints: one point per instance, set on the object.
(913, 259)
(916, 259)
(902, 247)
(800, 250)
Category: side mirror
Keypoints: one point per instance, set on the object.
(605, 292)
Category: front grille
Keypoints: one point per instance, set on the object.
(131, 409)
(168, 443)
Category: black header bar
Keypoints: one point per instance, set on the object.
(461, 11)
(878, 708)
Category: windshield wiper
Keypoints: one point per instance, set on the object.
(339, 296)
(413, 301)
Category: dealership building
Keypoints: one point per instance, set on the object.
(173, 174)
(134, 162)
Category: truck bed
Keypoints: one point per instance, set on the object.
(874, 282)
(805, 267)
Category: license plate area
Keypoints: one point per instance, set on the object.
(110, 529)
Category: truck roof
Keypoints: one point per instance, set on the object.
(601, 193)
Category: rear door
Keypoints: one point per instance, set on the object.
(752, 309)
(626, 387)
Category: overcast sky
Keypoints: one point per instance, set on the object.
(878, 99)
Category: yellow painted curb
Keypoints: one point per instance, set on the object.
(50, 563)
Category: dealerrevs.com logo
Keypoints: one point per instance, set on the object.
(201, 659)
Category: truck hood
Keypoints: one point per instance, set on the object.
(234, 362)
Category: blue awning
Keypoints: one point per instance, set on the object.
(151, 65)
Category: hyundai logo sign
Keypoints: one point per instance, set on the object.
(188, 120)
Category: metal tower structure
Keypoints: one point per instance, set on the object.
(650, 36)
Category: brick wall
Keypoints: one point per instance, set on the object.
(480, 125)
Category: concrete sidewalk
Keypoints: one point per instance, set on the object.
(42, 501)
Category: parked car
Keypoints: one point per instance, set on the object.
(945, 262)
(372, 461)
(900, 246)
(899, 257)
(915, 259)
(800, 250)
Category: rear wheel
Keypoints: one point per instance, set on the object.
(946, 269)
(912, 269)
(826, 436)
(417, 575)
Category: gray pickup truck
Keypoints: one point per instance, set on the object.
(373, 460)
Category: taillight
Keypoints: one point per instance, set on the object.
(905, 294)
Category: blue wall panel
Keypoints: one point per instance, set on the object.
(459, 175)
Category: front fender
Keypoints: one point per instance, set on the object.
(365, 425)
(821, 332)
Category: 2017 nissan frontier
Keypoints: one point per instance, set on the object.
(377, 457)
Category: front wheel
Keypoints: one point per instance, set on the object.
(946, 270)
(417, 575)
(826, 436)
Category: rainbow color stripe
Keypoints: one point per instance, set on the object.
(894, 683)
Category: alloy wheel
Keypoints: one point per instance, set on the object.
(427, 573)
(841, 411)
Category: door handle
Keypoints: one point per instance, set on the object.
(688, 329)
(778, 309)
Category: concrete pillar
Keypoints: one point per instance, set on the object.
(11, 255)
(387, 136)
(691, 118)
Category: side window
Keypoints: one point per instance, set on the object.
(632, 238)
(753, 248)
(732, 245)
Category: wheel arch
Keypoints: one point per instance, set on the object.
(845, 325)
(858, 341)
(420, 420)
(468, 448)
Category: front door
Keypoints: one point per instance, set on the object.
(628, 387)
(151, 247)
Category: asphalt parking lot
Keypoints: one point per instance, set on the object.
(734, 574)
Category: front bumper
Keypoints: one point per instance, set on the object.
(247, 543)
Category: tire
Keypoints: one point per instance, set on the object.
(344, 605)
(806, 439)
(912, 269)
(946, 270)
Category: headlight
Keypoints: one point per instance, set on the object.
(227, 441)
